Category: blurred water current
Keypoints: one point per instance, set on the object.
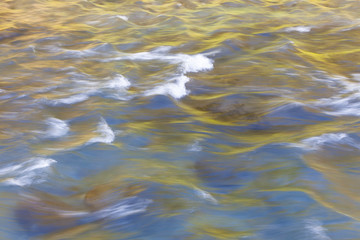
(201, 119)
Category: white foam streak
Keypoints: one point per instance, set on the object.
(347, 102)
(188, 63)
(316, 229)
(119, 83)
(106, 133)
(195, 147)
(38, 163)
(195, 63)
(301, 29)
(57, 128)
(27, 172)
(77, 98)
(65, 213)
(316, 142)
(11, 169)
(126, 207)
(356, 76)
(125, 18)
(205, 195)
(176, 89)
(327, 139)
(122, 208)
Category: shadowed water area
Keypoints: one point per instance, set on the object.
(188, 120)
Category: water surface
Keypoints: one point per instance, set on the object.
(179, 119)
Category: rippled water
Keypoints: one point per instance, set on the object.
(203, 119)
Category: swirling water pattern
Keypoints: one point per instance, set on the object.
(157, 119)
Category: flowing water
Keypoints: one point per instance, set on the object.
(159, 119)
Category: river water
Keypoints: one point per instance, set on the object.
(202, 119)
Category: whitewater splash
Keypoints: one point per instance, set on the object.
(83, 89)
(174, 86)
(106, 134)
(56, 128)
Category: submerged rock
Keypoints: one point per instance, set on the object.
(228, 110)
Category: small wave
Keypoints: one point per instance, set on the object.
(83, 86)
(119, 82)
(205, 195)
(27, 172)
(57, 128)
(195, 147)
(125, 207)
(315, 143)
(107, 135)
(125, 18)
(174, 87)
(316, 230)
(77, 98)
(301, 29)
(188, 63)
(347, 101)
(100, 50)
(195, 63)
(119, 209)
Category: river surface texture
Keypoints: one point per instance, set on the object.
(179, 120)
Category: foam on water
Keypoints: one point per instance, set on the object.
(205, 195)
(188, 63)
(106, 134)
(301, 29)
(347, 101)
(195, 63)
(77, 98)
(316, 230)
(82, 86)
(315, 143)
(121, 208)
(119, 82)
(195, 147)
(125, 18)
(356, 76)
(57, 128)
(175, 86)
(125, 207)
(26, 173)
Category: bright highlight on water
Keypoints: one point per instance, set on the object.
(191, 120)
